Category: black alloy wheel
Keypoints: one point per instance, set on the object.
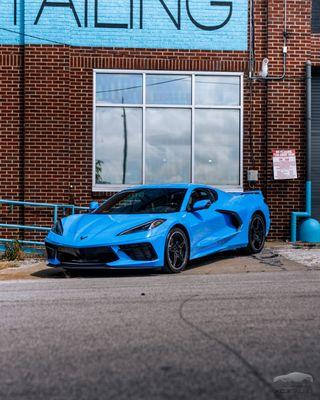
(257, 234)
(176, 251)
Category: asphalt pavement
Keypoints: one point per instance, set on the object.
(151, 336)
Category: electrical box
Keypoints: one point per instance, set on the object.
(253, 175)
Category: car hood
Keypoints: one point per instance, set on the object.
(91, 229)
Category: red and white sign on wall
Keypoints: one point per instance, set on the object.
(284, 164)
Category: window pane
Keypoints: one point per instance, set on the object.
(168, 89)
(217, 147)
(119, 88)
(315, 16)
(118, 144)
(168, 145)
(217, 90)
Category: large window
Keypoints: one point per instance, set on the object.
(154, 127)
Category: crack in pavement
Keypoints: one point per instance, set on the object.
(229, 348)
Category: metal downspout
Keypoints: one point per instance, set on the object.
(22, 115)
(307, 213)
(309, 128)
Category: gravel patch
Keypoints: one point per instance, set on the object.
(310, 257)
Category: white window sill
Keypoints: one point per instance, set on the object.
(118, 188)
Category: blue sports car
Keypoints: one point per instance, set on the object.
(161, 226)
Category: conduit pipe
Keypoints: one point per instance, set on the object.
(307, 212)
(252, 50)
(22, 107)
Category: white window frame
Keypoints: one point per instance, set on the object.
(144, 106)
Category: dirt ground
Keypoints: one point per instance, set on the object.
(279, 257)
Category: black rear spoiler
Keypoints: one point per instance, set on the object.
(258, 192)
(252, 192)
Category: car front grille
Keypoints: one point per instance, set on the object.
(81, 256)
(139, 251)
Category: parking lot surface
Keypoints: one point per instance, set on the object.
(153, 336)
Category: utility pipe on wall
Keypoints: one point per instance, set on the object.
(22, 107)
(309, 120)
(252, 49)
(307, 213)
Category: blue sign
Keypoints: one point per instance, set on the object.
(169, 24)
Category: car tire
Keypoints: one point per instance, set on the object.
(256, 234)
(177, 250)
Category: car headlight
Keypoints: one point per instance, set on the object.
(144, 227)
(57, 228)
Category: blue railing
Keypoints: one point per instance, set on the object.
(56, 209)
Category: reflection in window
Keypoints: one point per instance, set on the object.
(217, 147)
(169, 89)
(118, 145)
(168, 145)
(119, 88)
(315, 21)
(217, 90)
(154, 127)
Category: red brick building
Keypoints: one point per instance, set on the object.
(50, 96)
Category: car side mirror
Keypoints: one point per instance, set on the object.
(201, 205)
(93, 205)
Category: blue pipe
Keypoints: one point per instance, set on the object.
(44, 205)
(56, 208)
(25, 227)
(305, 214)
(28, 242)
(55, 214)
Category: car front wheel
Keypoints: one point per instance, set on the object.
(176, 251)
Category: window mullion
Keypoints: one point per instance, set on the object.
(241, 130)
(193, 128)
(94, 129)
(144, 129)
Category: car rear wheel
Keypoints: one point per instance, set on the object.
(176, 251)
(257, 234)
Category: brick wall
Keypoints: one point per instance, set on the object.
(58, 99)
(10, 132)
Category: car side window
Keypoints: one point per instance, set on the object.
(201, 194)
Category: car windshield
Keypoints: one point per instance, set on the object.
(144, 201)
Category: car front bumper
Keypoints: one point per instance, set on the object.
(136, 255)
